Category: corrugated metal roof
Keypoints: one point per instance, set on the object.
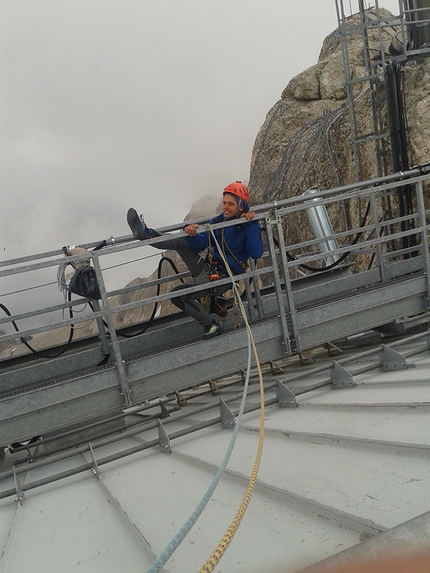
(346, 467)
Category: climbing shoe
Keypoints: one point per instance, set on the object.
(219, 307)
(212, 330)
(137, 225)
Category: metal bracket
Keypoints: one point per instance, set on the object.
(214, 388)
(332, 349)
(227, 416)
(180, 399)
(19, 493)
(94, 467)
(286, 398)
(164, 443)
(391, 360)
(340, 377)
(305, 360)
(164, 411)
(275, 368)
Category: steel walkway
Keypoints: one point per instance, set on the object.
(379, 280)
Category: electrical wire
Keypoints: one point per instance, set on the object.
(38, 352)
(61, 281)
(154, 311)
(337, 262)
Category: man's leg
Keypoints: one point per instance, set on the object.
(189, 302)
(195, 264)
(141, 231)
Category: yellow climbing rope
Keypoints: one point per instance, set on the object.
(211, 563)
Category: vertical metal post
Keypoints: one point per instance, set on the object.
(115, 346)
(251, 309)
(287, 283)
(277, 281)
(380, 260)
(101, 328)
(349, 90)
(424, 237)
(257, 293)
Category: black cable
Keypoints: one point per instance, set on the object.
(338, 261)
(100, 246)
(38, 352)
(151, 318)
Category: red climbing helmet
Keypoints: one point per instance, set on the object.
(239, 190)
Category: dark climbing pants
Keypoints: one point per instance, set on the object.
(199, 269)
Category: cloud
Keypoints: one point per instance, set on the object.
(153, 103)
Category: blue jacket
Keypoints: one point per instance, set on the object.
(238, 243)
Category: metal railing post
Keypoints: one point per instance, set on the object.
(257, 293)
(278, 287)
(377, 227)
(424, 238)
(287, 283)
(101, 328)
(114, 340)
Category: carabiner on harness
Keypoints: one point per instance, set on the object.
(213, 273)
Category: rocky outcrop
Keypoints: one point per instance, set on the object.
(304, 140)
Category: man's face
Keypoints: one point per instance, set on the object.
(230, 208)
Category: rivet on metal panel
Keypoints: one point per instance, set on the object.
(340, 377)
(286, 398)
(164, 443)
(227, 416)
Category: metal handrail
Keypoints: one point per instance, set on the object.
(271, 217)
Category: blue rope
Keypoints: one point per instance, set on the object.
(161, 560)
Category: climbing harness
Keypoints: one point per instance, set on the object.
(222, 252)
(213, 265)
(243, 266)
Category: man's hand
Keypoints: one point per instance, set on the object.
(250, 215)
(191, 230)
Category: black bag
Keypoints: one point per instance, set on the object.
(84, 283)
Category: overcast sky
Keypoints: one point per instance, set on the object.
(107, 104)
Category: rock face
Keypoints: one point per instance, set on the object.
(304, 139)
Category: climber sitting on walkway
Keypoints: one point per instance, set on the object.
(238, 243)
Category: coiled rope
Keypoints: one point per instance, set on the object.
(161, 560)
